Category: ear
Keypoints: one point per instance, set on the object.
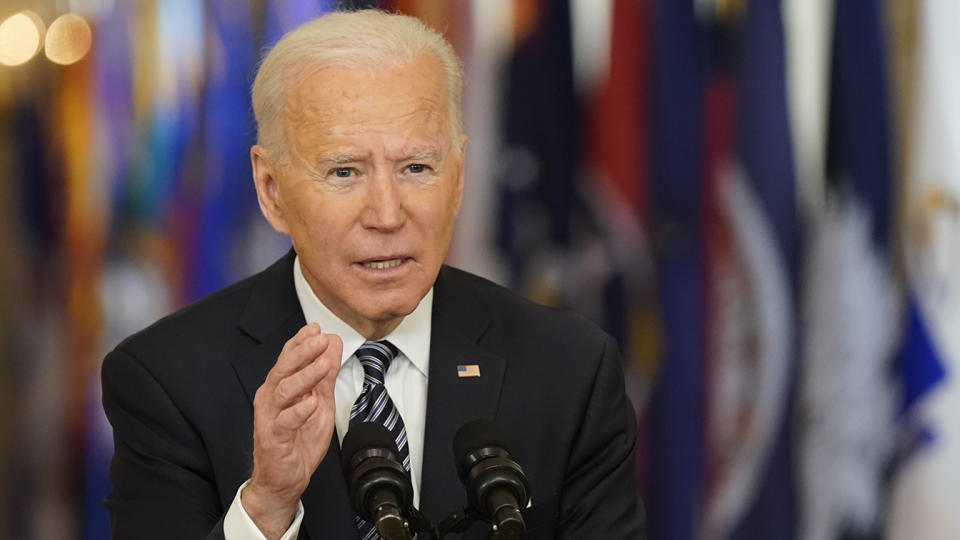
(460, 173)
(268, 190)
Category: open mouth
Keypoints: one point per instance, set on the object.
(384, 264)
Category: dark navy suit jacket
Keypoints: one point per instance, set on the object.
(179, 395)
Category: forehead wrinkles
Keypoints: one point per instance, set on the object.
(332, 100)
(313, 120)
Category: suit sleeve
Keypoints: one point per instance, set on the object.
(163, 484)
(599, 498)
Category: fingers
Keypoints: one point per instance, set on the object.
(296, 351)
(301, 380)
(312, 329)
(323, 354)
(296, 386)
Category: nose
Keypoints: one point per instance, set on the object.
(384, 206)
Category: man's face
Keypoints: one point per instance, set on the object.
(371, 187)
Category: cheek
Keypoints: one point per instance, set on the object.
(322, 213)
(436, 209)
(442, 214)
(313, 228)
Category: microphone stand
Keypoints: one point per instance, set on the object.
(457, 522)
(418, 524)
(464, 518)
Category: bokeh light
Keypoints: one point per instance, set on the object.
(68, 39)
(21, 36)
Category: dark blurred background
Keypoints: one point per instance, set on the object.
(760, 199)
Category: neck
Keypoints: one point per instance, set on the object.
(374, 330)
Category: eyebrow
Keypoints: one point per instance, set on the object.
(423, 155)
(344, 159)
(340, 159)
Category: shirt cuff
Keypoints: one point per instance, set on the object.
(237, 525)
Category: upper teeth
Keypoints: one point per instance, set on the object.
(380, 265)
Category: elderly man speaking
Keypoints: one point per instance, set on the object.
(229, 415)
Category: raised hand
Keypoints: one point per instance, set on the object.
(293, 422)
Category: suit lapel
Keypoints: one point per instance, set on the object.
(252, 367)
(272, 316)
(451, 400)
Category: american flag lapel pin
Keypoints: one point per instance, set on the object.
(469, 370)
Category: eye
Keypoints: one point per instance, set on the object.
(343, 172)
(416, 168)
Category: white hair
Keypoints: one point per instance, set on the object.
(359, 39)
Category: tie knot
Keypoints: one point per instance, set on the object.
(375, 357)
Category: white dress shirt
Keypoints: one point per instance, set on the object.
(406, 382)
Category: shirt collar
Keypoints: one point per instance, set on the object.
(411, 336)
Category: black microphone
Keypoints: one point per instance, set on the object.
(380, 489)
(496, 487)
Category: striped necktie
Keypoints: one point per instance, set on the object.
(375, 405)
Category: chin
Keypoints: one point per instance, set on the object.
(392, 311)
(390, 306)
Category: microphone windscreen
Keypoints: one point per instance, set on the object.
(364, 436)
(473, 436)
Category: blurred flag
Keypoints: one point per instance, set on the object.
(285, 15)
(85, 227)
(167, 78)
(924, 487)
(751, 235)
(541, 149)
(674, 454)
(725, 222)
(113, 145)
(489, 44)
(612, 61)
(223, 199)
(851, 307)
(612, 54)
(559, 221)
(808, 33)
